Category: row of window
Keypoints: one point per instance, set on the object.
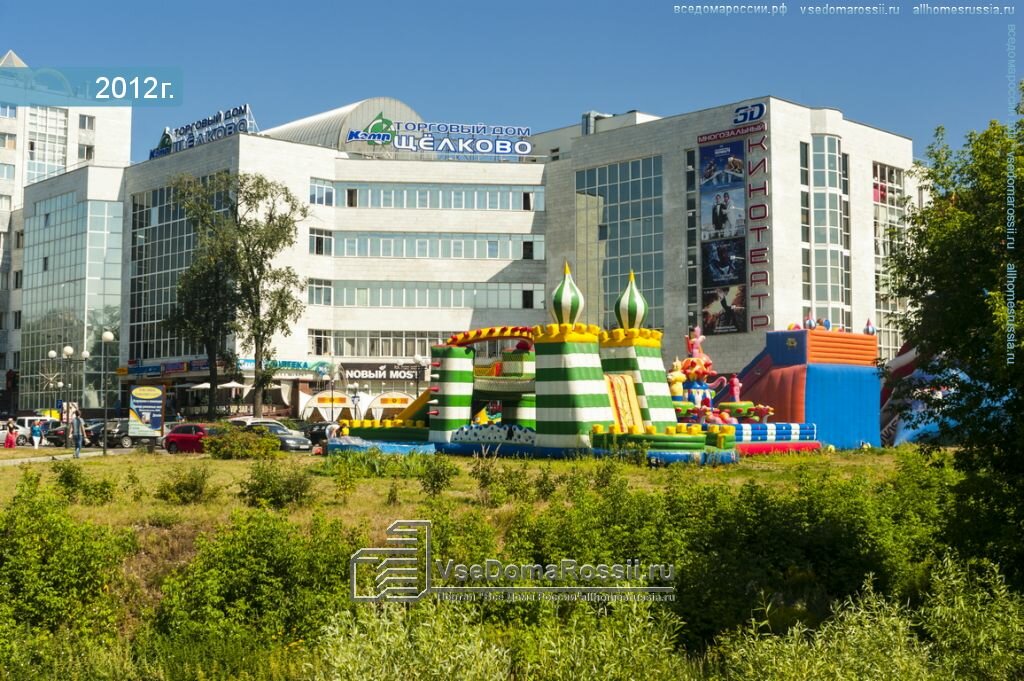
(425, 294)
(8, 110)
(6, 171)
(8, 140)
(426, 196)
(17, 320)
(422, 245)
(343, 343)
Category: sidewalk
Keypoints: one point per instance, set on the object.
(61, 454)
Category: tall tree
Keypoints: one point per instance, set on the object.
(205, 308)
(243, 221)
(955, 263)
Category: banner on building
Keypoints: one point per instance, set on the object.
(724, 262)
(722, 191)
(724, 310)
(146, 411)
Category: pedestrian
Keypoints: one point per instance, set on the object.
(78, 433)
(11, 439)
(37, 434)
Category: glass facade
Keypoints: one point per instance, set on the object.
(47, 142)
(889, 223)
(72, 282)
(426, 245)
(162, 244)
(825, 231)
(433, 294)
(426, 196)
(384, 344)
(619, 228)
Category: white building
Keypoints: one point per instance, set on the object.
(401, 247)
(804, 201)
(42, 275)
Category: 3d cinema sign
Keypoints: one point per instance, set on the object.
(209, 129)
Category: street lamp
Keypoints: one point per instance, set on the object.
(67, 351)
(104, 339)
(354, 389)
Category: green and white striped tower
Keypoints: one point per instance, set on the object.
(637, 352)
(451, 407)
(522, 412)
(572, 395)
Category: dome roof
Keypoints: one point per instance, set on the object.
(567, 300)
(331, 128)
(631, 306)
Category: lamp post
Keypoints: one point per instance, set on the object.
(354, 389)
(104, 339)
(67, 351)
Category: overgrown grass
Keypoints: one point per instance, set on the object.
(771, 559)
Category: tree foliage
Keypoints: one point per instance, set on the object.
(242, 222)
(953, 264)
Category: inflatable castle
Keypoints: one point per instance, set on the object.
(566, 388)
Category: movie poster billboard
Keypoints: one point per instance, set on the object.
(146, 411)
(724, 262)
(722, 191)
(724, 310)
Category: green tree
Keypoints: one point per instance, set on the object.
(205, 309)
(243, 221)
(953, 264)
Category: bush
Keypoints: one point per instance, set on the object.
(55, 573)
(76, 486)
(545, 483)
(261, 577)
(232, 442)
(437, 475)
(186, 486)
(372, 463)
(275, 485)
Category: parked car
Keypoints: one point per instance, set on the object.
(24, 424)
(56, 435)
(187, 437)
(117, 435)
(317, 432)
(290, 441)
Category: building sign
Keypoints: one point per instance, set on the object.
(146, 411)
(151, 370)
(175, 367)
(734, 207)
(459, 139)
(384, 372)
(217, 126)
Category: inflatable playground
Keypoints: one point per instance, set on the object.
(567, 388)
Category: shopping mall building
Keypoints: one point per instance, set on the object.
(740, 219)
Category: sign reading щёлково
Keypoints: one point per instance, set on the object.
(471, 139)
(214, 127)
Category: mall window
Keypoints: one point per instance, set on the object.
(86, 152)
(624, 203)
(320, 342)
(8, 140)
(17, 279)
(805, 217)
(17, 319)
(321, 292)
(805, 164)
(16, 363)
(5, 201)
(86, 122)
(321, 192)
(443, 196)
(3, 360)
(6, 171)
(8, 110)
(46, 263)
(321, 242)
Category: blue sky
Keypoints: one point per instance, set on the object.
(537, 64)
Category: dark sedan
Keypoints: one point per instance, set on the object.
(290, 440)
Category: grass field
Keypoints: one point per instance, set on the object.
(137, 475)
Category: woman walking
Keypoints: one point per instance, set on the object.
(37, 434)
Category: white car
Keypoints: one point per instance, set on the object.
(24, 424)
